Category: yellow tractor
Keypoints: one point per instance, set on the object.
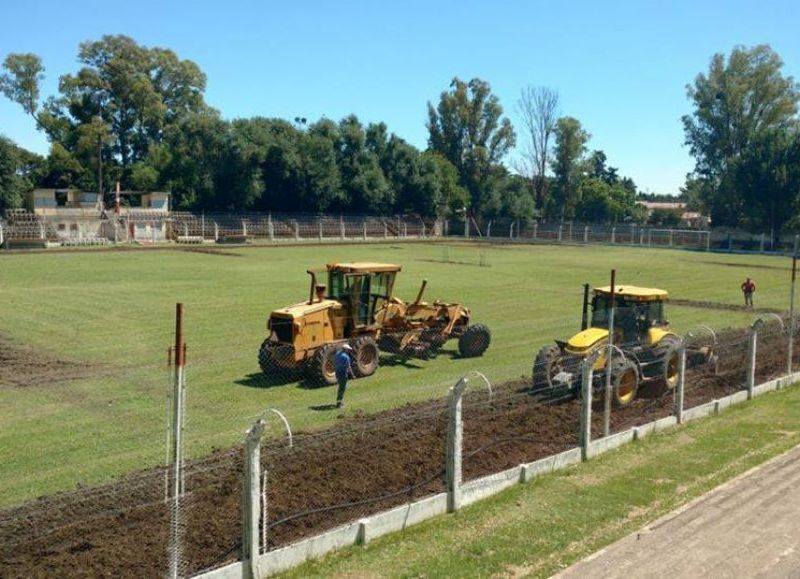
(357, 307)
(645, 348)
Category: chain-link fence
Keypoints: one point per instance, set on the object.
(625, 234)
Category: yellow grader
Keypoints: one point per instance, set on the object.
(645, 350)
(357, 307)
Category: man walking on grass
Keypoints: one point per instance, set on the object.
(748, 288)
(343, 361)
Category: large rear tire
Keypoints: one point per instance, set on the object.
(366, 360)
(624, 382)
(474, 341)
(322, 368)
(546, 365)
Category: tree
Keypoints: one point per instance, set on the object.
(570, 148)
(740, 106)
(364, 185)
(467, 127)
(665, 217)
(538, 108)
(125, 95)
(19, 170)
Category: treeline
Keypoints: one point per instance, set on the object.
(138, 115)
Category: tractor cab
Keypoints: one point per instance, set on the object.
(637, 310)
(363, 288)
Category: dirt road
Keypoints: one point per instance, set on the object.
(748, 527)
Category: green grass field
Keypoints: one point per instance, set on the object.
(116, 311)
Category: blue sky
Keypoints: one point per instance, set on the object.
(620, 67)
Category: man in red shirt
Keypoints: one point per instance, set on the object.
(748, 287)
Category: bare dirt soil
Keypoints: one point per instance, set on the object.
(364, 465)
(22, 366)
(212, 251)
(721, 306)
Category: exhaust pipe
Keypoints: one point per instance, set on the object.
(421, 291)
(313, 286)
(585, 314)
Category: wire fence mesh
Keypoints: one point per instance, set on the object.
(113, 514)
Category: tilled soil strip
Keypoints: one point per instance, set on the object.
(363, 466)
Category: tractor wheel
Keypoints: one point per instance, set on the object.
(666, 354)
(624, 382)
(546, 365)
(366, 356)
(474, 341)
(274, 357)
(322, 368)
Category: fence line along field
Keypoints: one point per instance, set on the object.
(84, 338)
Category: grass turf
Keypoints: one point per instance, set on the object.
(115, 309)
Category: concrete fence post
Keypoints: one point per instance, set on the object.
(296, 231)
(641, 236)
(244, 228)
(341, 227)
(455, 433)
(364, 229)
(1, 235)
(681, 387)
(587, 373)
(570, 231)
(633, 234)
(796, 241)
(216, 231)
(385, 230)
(649, 238)
(185, 230)
(251, 499)
(319, 222)
(535, 227)
(586, 234)
(752, 347)
(405, 229)
(511, 231)
(424, 232)
(670, 237)
(488, 229)
(708, 240)
(560, 228)
(613, 235)
(270, 227)
(761, 243)
(466, 225)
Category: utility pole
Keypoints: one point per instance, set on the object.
(100, 165)
(791, 314)
(609, 353)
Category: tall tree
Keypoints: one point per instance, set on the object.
(538, 108)
(468, 128)
(126, 92)
(740, 106)
(570, 150)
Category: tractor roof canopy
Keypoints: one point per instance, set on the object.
(634, 293)
(363, 267)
